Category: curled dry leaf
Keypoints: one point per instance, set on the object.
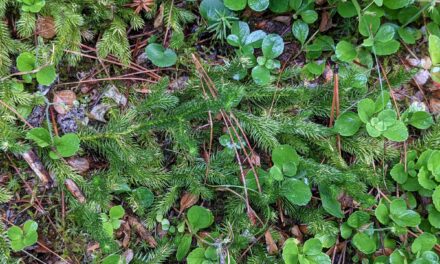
(422, 77)
(326, 21)
(158, 21)
(128, 255)
(75, 191)
(296, 232)
(141, 231)
(63, 101)
(435, 105)
(98, 112)
(426, 63)
(34, 162)
(187, 200)
(46, 27)
(80, 165)
(272, 247)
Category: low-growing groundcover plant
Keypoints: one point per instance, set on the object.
(218, 131)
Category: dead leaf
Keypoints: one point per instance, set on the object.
(80, 165)
(272, 248)
(326, 22)
(187, 200)
(327, 74)
(46, 27)
(113, 93)
(435, 105)
(141, 231)
(75, 191)
(422, 77)
(296, 232)
(63, 101)
(98, 112)
(128, 255)
(158, 21)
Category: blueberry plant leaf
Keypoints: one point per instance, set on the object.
(300, 31)
(258, 5)
(235, 5)
(345, 51)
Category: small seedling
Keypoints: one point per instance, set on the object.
(112, 221)
(26, 62)
(65, 146)
(23, 237)
(33, 6)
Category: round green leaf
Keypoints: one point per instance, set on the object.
(296, 192)
(396, 4)
(385, 33)
(15, 233)
(260, 75)
(66, 145)
(346, 231)
(366, 109)
(30, 226)
(434, 49)
(436, 198)
(398, 132)
(183, 247)
(276, 173)
(381, 214)
(284, 154)
(30, 239)
(235, 5)
(345, 51)
(279, 6)
(368, 25)
(329, 200)
(295, 4)
(424, 242)
(258, 5)
(348, 124)
(421, 120)
(358, 219)
(434, 217)
(309, 16)
(364, 243)
(143, 196)
(160, 56)
(47, 75)
(40, 135)
(408, 35)
(300, 31)
(272, 46)
(398, 173)
(210, 9)
(290, 251)
(116, 212)
(312, 247)
(197, 256)
(255, 39)
(199, 217)
(26, 62)
(346, 9)
(386, 48)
